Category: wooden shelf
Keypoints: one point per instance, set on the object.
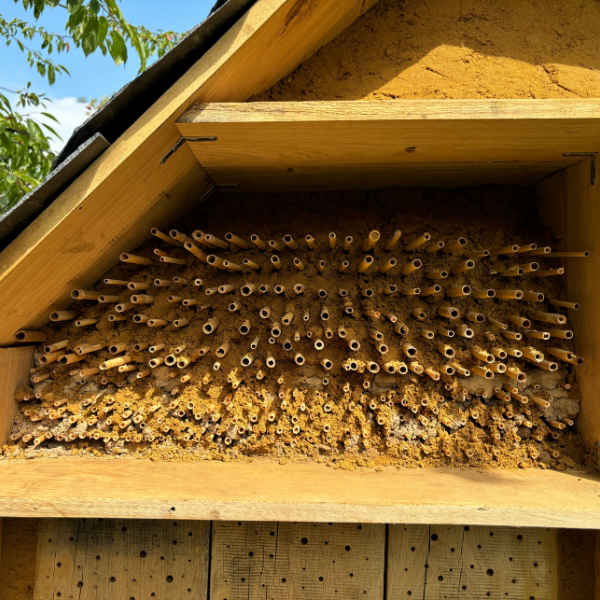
(127, 488)
(281, 146)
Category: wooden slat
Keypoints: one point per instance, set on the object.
(89, 559)
(15, 366)
(112, 206)
(332, 145)
(468, 563)
(255, 561)
(570, 206)
(78, 487)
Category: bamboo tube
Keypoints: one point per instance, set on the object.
(445, 331)
(258, 242)
(244, 328)
(366, 292)
(484, 294)
(85, 295)
(298, 264)
(250, 263)
(143, 373)
(324, 314)
(476, 253)
(475, 317)
(288, 240)
(531, 267)
(533, 297)
(178, 299)
(391, 263)
(287, 345)
(165, 238)
(108, 298)
(483, 355)
(276, 262)
(411, 267)
(157, 323)
(483, 372)
(568, 254)
(156, 348)
(344, 267)
(547, 365)
(231, 266)
(527, 248)
(347, 243)
(116, 348)
(89, 372)
(449, 312)
(371, 240)
(299, 359)
(223, 289)
(367, 261)
(85, 322)
(51, 357)
(564, 304)
(141, 299)
(116, 318)
(154, 362)
(498, 353)
(24, 335)
(177, 235)
(215, 241)
(462, 371)
(498, 324)
(465, 331)
(563, 334)
(435, 247)
(63, 315)
(310, 242)
(127, 368)
(445, 350)
(505, 250)
(234, 239)
(537, 335)
(114, 282)
(545, 317)
(499, 368)
(513, 272)
(433, 289)
(247, 289)
(541, 251)
(223, 349)
(427, 334)
(455, 245)
(415, 367)
(51, 347)
(532, 354)
(488, 335)
(159, 252)
(211, 291)
(68, 359)
(458, 291)
(135, 286)
(509, 294)
(512, 335)
(199, 254)
(516, 374)
(181, 322)
(134, 260)
(462, 267)
(140, 318)
(514, 352)
(437, 274)
(172, 260)
(418, 313)
(210, 326)
(279, 289)
(332, 240)
(520, 321)
(393, 240)
(410, 291)
(409, 350)
(216, 261)
(550, 272)
(433, 374)
(322, 293)
(353, 345)
(142, 346)
(422, 239)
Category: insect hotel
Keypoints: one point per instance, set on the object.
(264, 336)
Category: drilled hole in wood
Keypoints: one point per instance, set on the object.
(169, 579)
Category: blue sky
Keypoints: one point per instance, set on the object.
(96, 75)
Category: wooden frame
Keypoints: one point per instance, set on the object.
(111, 207)
(365, 145)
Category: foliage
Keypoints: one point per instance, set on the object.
(94, 104)
(90, 26)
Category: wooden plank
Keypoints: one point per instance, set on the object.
(83, 232)
(79, 487)
(254, 561)
(468, 563)
(294, 145)
(17, 570)
(570, 206)
(15, 365)
(89, 559)
(597, 566)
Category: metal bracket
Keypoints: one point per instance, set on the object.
(594, 166)
(180, 142)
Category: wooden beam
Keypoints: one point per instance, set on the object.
(570, 206)
(111, 207)
(344, 145)
(15, 367)
(78, 487)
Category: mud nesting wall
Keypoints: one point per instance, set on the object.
(287, 351)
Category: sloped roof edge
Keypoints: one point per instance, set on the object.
(106, 125)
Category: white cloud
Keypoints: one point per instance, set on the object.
(70, 114)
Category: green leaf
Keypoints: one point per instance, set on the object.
(73, 5)
(118, 49)
(94, 6)
(89, 41)
(34, 131)
(52, 130)
(51, 74)
(49, 116)
(102, 30)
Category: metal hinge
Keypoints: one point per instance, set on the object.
(594, 165)
(180, 142)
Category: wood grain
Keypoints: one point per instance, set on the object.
(294, 145)
(252, 561)
(89, 559)
(570, 206)
(468, 563)
(111, 207)
(15, 365)
(125, 488)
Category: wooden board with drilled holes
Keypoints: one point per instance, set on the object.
(303, 561)
(465, 562)
(93, 559)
